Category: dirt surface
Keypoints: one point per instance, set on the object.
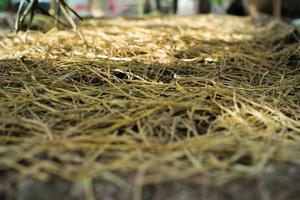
(277, 182)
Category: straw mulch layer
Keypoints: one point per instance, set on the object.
(150, 101)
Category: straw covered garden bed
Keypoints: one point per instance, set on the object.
(208, 101)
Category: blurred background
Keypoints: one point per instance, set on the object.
(134, 8)
(111, 8)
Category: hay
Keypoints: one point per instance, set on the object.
(168, 98)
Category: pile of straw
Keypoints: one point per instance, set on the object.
(165, 98)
